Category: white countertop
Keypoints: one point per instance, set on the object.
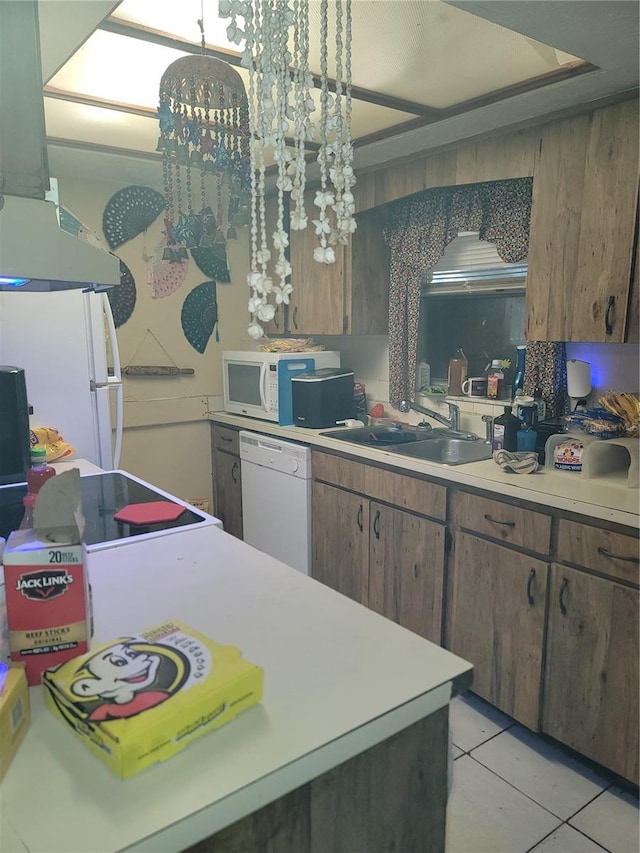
(610, 500)
(338, 679)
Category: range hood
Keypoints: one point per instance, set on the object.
(470, 265)
(36, 254)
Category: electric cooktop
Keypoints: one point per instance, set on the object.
(102, 496)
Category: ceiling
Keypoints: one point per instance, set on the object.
(425, 72)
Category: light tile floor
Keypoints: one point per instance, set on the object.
(514, 792)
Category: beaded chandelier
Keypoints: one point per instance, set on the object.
(205, 144)
(276, 55)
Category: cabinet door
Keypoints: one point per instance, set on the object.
(228, 492)
(591, 673)
(318, 299)
(582, 227)
(340, 542)
(406, 569)
(497, 623)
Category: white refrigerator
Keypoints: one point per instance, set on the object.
(64, 341)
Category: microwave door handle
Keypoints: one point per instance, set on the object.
(263, 386)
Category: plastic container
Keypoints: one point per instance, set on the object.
(29, 501)
(423, 377)
(526, 439)
(505, 431)
(495, 380)
(457, 373)
(39, 472)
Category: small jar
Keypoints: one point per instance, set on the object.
(495, 380)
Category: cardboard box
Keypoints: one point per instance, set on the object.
(14, 715)
(47, 597)
(141, 699)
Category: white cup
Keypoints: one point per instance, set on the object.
(475, 386)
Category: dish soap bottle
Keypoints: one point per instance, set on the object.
(457, 373)
(505, 431)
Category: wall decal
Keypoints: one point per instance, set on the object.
(129, 212)
(200, 315)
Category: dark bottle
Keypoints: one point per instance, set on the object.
(457, 373)
(505, 431)
(518, 379)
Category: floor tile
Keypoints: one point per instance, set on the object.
(611, 820)
(567, 840)
(548, 775)
(457, 752)
(473, 721)
(486, 815)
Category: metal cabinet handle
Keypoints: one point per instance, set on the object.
(532, 575)
(376, 524)
(496, 521)
(618, 556)
(295, 317)
(234, 469)
(607, 317)
(563, 587)
(226, 438)
(359, 519)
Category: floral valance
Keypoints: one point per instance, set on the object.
(420, 228)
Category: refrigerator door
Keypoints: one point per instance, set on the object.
(103, 341)
(46, 334)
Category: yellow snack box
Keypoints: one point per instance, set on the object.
(14, 713)
(141, 699)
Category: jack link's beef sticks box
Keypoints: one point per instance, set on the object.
(46, 586)
(141, 699)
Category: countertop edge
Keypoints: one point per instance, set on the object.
(616, 504)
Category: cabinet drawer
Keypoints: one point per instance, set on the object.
(406, 492)
(522, 527)
(604, 551)
(339, 471)
(226, 438)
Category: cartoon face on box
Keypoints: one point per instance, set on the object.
(128, 677)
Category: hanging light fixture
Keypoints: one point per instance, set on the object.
(276, 54)
(205, 145)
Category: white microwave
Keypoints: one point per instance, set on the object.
(258, 384)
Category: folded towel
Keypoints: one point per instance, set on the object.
(516, 463)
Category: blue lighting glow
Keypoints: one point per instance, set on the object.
(13, 282)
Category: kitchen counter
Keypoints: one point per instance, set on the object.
(339, 680)
(605, 498)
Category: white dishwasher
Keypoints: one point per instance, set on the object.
(276, 498)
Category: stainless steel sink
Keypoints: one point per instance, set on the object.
(380, 436)
(446, 451)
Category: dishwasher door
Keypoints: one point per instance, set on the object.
(276, 498)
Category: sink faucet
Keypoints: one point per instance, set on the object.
(452, 422)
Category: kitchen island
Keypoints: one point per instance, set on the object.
(347, 751)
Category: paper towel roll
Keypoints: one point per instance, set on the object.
(578, 378)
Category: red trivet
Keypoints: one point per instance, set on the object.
(153, 512)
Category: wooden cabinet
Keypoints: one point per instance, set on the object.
(583, 220)
(227, 486)
(496, 621)
(497, 599)
(385, 557)
(340, 541)
(406, 562)
(591, 672)
(350, 296)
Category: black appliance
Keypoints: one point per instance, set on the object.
(102, 495)
(543, 430)
(322, 397)
(15, 445)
